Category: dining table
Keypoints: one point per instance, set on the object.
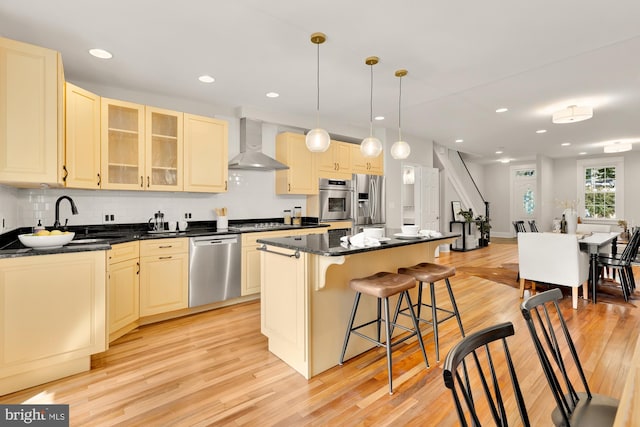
(592, 244)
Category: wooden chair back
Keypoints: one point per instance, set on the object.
(470, 373)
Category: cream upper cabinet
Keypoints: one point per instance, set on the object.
(122, 145)
(163, 150)
(205, 154)
(31, 114)
(301, 177)
(361, 164)
(335, 162)
(82, 138)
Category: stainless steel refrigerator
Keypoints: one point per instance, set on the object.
(369, 201)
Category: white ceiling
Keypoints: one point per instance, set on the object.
(465, 60)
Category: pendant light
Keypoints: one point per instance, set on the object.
(400, 149)
(318, 139)
(371, 146)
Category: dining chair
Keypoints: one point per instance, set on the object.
(519, 226)
(481, 393)
(622, 264)
(559, 360)
(533, 227)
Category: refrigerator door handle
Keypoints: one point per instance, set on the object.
(372, 200)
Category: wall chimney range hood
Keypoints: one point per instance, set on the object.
(251, 156)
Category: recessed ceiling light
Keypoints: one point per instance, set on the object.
(499, 152)
(505, 160)
(582, 153)
(272, 94)
(459, 140)
(541, 131)
(206, 79)
(502, 110)
(378, 118)
(101, 53)
(565, 144)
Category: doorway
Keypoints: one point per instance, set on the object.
(524, 194)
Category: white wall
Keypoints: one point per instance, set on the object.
(557, 181)
(421, 154)
(8, 208)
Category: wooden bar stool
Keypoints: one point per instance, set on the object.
(382, 286)
(430, 273)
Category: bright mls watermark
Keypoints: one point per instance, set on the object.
(34, 415)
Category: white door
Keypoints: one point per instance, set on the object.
(431, 199)
(524, 195)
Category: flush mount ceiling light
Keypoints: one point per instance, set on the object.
(371, 146)
(272, 94)
(206, 79)
(618, 147)
(572, 114)
(101, 53)
(318, 139)
(502, 110)
(400, 149)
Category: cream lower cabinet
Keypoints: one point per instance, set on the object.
(52, 316)
(31, 114)
(123, 289)
(164, 275)
(251, 255)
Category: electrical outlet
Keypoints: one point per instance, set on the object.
(108, 217)
(187, 215)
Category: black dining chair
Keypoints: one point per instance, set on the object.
(519, 226)
(533, 227)
(621, 264)
(559, 360)
(478, 390)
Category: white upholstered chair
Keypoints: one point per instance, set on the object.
(553, 258)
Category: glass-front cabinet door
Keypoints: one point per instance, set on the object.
(163, 148)
(122, 145)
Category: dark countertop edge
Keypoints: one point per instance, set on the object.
(284, 242)
(127, 234)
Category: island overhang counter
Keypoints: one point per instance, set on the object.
(306, 299)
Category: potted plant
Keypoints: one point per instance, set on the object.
(483, 227)
(467, 215)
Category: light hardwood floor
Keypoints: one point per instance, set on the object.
(214, 368)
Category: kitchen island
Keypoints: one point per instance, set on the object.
(306, 299)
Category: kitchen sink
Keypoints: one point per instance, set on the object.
(87, 241)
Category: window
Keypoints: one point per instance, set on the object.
(600, 183)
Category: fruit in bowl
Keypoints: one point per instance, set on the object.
(49, 240)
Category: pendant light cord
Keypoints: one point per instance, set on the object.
(400, 112)
(318, 86)
(371, 103)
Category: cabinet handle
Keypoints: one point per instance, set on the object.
(138, 264)
(141, 181)
(147, 181)
(289, 186)
(225, 186)
(165, 247)
(165, 257)
(66, 173)
(99, 180)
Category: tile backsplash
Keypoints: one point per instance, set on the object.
(251, 195)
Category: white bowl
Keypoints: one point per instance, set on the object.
(46, 242)
(374, 232)
(410, 230)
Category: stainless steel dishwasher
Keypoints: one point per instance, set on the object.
(214, 268)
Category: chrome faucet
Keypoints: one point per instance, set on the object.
(74, 210)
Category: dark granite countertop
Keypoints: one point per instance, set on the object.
(324, 244)
(10, 246)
